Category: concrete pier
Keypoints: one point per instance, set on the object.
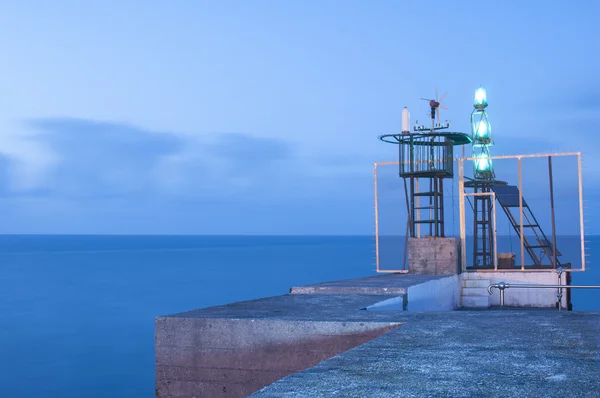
(527, 353)
(379, 336)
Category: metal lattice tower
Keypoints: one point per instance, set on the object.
(426, 159)
(484, 179)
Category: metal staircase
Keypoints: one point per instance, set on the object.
(533, 236)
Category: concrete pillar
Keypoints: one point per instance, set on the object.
(434, 256)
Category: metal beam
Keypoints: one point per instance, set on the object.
(581, 231)
(376, 217)
(461, 200)
(521, 215)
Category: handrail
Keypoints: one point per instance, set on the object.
(502, 286)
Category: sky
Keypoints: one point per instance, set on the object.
(262, 117)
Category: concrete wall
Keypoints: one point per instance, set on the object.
(437, 295)
(433, 256)
(215, 357)
(523, 297)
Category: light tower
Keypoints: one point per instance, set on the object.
(481, 134)
(483, 180)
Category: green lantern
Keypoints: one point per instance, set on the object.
(482, 163)
(480, 98)
(481, 134)
(481, 130)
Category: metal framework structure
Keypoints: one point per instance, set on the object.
(518, 209)
(426, 159)
(522, 220)
(484, 252)
(484, 248)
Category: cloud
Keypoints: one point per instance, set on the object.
(227, 164)
(98, 160)
(4, 175)
(90, 176)
(252, 151)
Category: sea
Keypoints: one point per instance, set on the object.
(77, 313)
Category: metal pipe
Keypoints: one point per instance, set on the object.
(412, 207)
(581, 231)
(559, 272)
(376, 217)
(441, 205)
(526, 286)
(408, 224)
(526, 156)
(475, 226)
(502, 286)
(522, 232)
(494, 232)
(418, 211)
(461, 206)
(552, 211)
(536, 155)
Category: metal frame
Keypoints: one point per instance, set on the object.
(462, 194)
(462, 222)
(495, 251)
(402, 271)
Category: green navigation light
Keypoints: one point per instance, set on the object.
(482, 130)
(483, 162)
(480, 98)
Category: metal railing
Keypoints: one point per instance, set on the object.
(503, 286)
(519, 158)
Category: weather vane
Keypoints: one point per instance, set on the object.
(434, 106)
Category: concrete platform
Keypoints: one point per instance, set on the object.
(321, 341)
(539, 353)
(394, 284)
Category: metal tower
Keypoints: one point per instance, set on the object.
(426, 159)
(482, 183)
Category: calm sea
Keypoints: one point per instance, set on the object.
(77, 312)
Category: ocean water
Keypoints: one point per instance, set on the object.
(77, 312)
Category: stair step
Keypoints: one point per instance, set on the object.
(429, 193)
(482, 283)
(475, 291)
(475, 301)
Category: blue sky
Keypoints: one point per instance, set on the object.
(239, 117)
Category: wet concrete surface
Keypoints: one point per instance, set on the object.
(381, 353)
(463, 354)
(394, 284)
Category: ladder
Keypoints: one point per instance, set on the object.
(427, 207)
(483, 255)
(508, 198)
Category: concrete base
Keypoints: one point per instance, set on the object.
(236, 357)
(433, 256)
(332, 333)
(512, 353)
(234, 350)
(522, 298)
